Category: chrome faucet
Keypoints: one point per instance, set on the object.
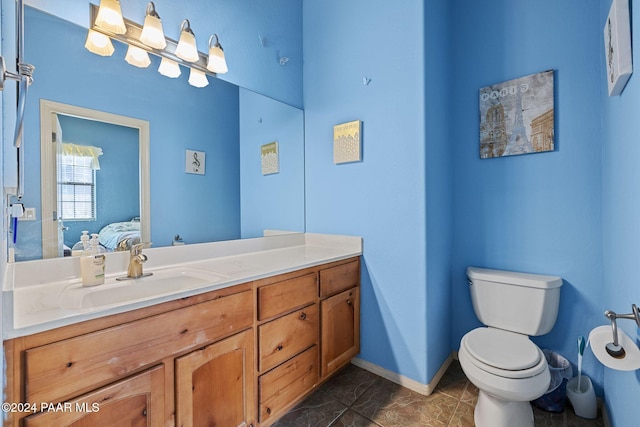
(136, 259)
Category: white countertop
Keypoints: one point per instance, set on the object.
(46, 294)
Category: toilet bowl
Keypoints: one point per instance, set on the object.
(509, 371)
(500, 359)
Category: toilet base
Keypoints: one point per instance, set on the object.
(493, 412)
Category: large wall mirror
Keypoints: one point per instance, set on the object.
(233, 199)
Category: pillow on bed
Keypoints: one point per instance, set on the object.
(120, 235)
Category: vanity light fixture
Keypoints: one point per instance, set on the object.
(174, 54)
(169, 68)
(137, 57)
(152, 33)
(110, 17)
(197, 78)
(99, 44)
(216, 61)
(187, 49)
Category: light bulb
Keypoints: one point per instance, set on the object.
(99, 44)
(216, 62)
(186, 48)
(197, 78)
(169, 68)
(152, 33)
(110, 17)
(137, 57)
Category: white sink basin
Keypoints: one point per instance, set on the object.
(161, 283)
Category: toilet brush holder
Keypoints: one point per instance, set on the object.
(583, 400)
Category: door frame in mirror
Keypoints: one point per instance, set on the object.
(48, 180)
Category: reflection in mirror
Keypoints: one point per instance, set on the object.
(229, 124)
(95, 169)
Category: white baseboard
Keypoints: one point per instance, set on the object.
(418, 387)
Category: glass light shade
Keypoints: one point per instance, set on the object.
(169, 68)
(137, 57)
(152, 32)
(216, 62)
(99, 44)
(197, 78)
(186, 48)
(110, 17)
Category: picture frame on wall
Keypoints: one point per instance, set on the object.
(195, 162)
(517, 116)
(617, 46)
(347, 142)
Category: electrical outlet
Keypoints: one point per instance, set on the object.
(29, 214)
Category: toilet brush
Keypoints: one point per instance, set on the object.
(580, 353)
(583, 400)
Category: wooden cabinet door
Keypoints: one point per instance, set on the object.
(340, 321)
(137, 401)
(215, 385)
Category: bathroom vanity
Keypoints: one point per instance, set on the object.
(241, 351)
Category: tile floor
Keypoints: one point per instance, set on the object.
(357, 398)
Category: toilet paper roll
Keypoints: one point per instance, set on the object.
(603, 335)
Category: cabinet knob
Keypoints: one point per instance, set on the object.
(279, 347)
(303, 316)
(349, 302)
(269, 411)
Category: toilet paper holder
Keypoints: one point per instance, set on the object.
(614, 348)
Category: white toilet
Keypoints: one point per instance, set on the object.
(500, 359)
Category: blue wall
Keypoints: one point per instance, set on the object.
(381, 198)
(539, 213)
(117, 195)
(621, 213)
(275, 201)
(439, 180)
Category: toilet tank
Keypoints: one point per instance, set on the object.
(517, 302)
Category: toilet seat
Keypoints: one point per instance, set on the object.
(503, 353)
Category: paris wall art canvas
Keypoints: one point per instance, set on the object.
(516, 116)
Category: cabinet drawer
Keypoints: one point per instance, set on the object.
(66, 368)
(287, 295)
(287, 383)
(286, 336)
(339, 278)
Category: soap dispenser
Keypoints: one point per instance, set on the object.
(92, 263)
(82, 246)
(96, 248)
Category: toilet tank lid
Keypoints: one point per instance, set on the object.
(514, 278)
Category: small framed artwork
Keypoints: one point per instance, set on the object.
(517, 116)
(269, 155)
(617, 46)
(347, 142)
(195, 162)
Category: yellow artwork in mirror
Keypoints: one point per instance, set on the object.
(347, 142)
(269, 155)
